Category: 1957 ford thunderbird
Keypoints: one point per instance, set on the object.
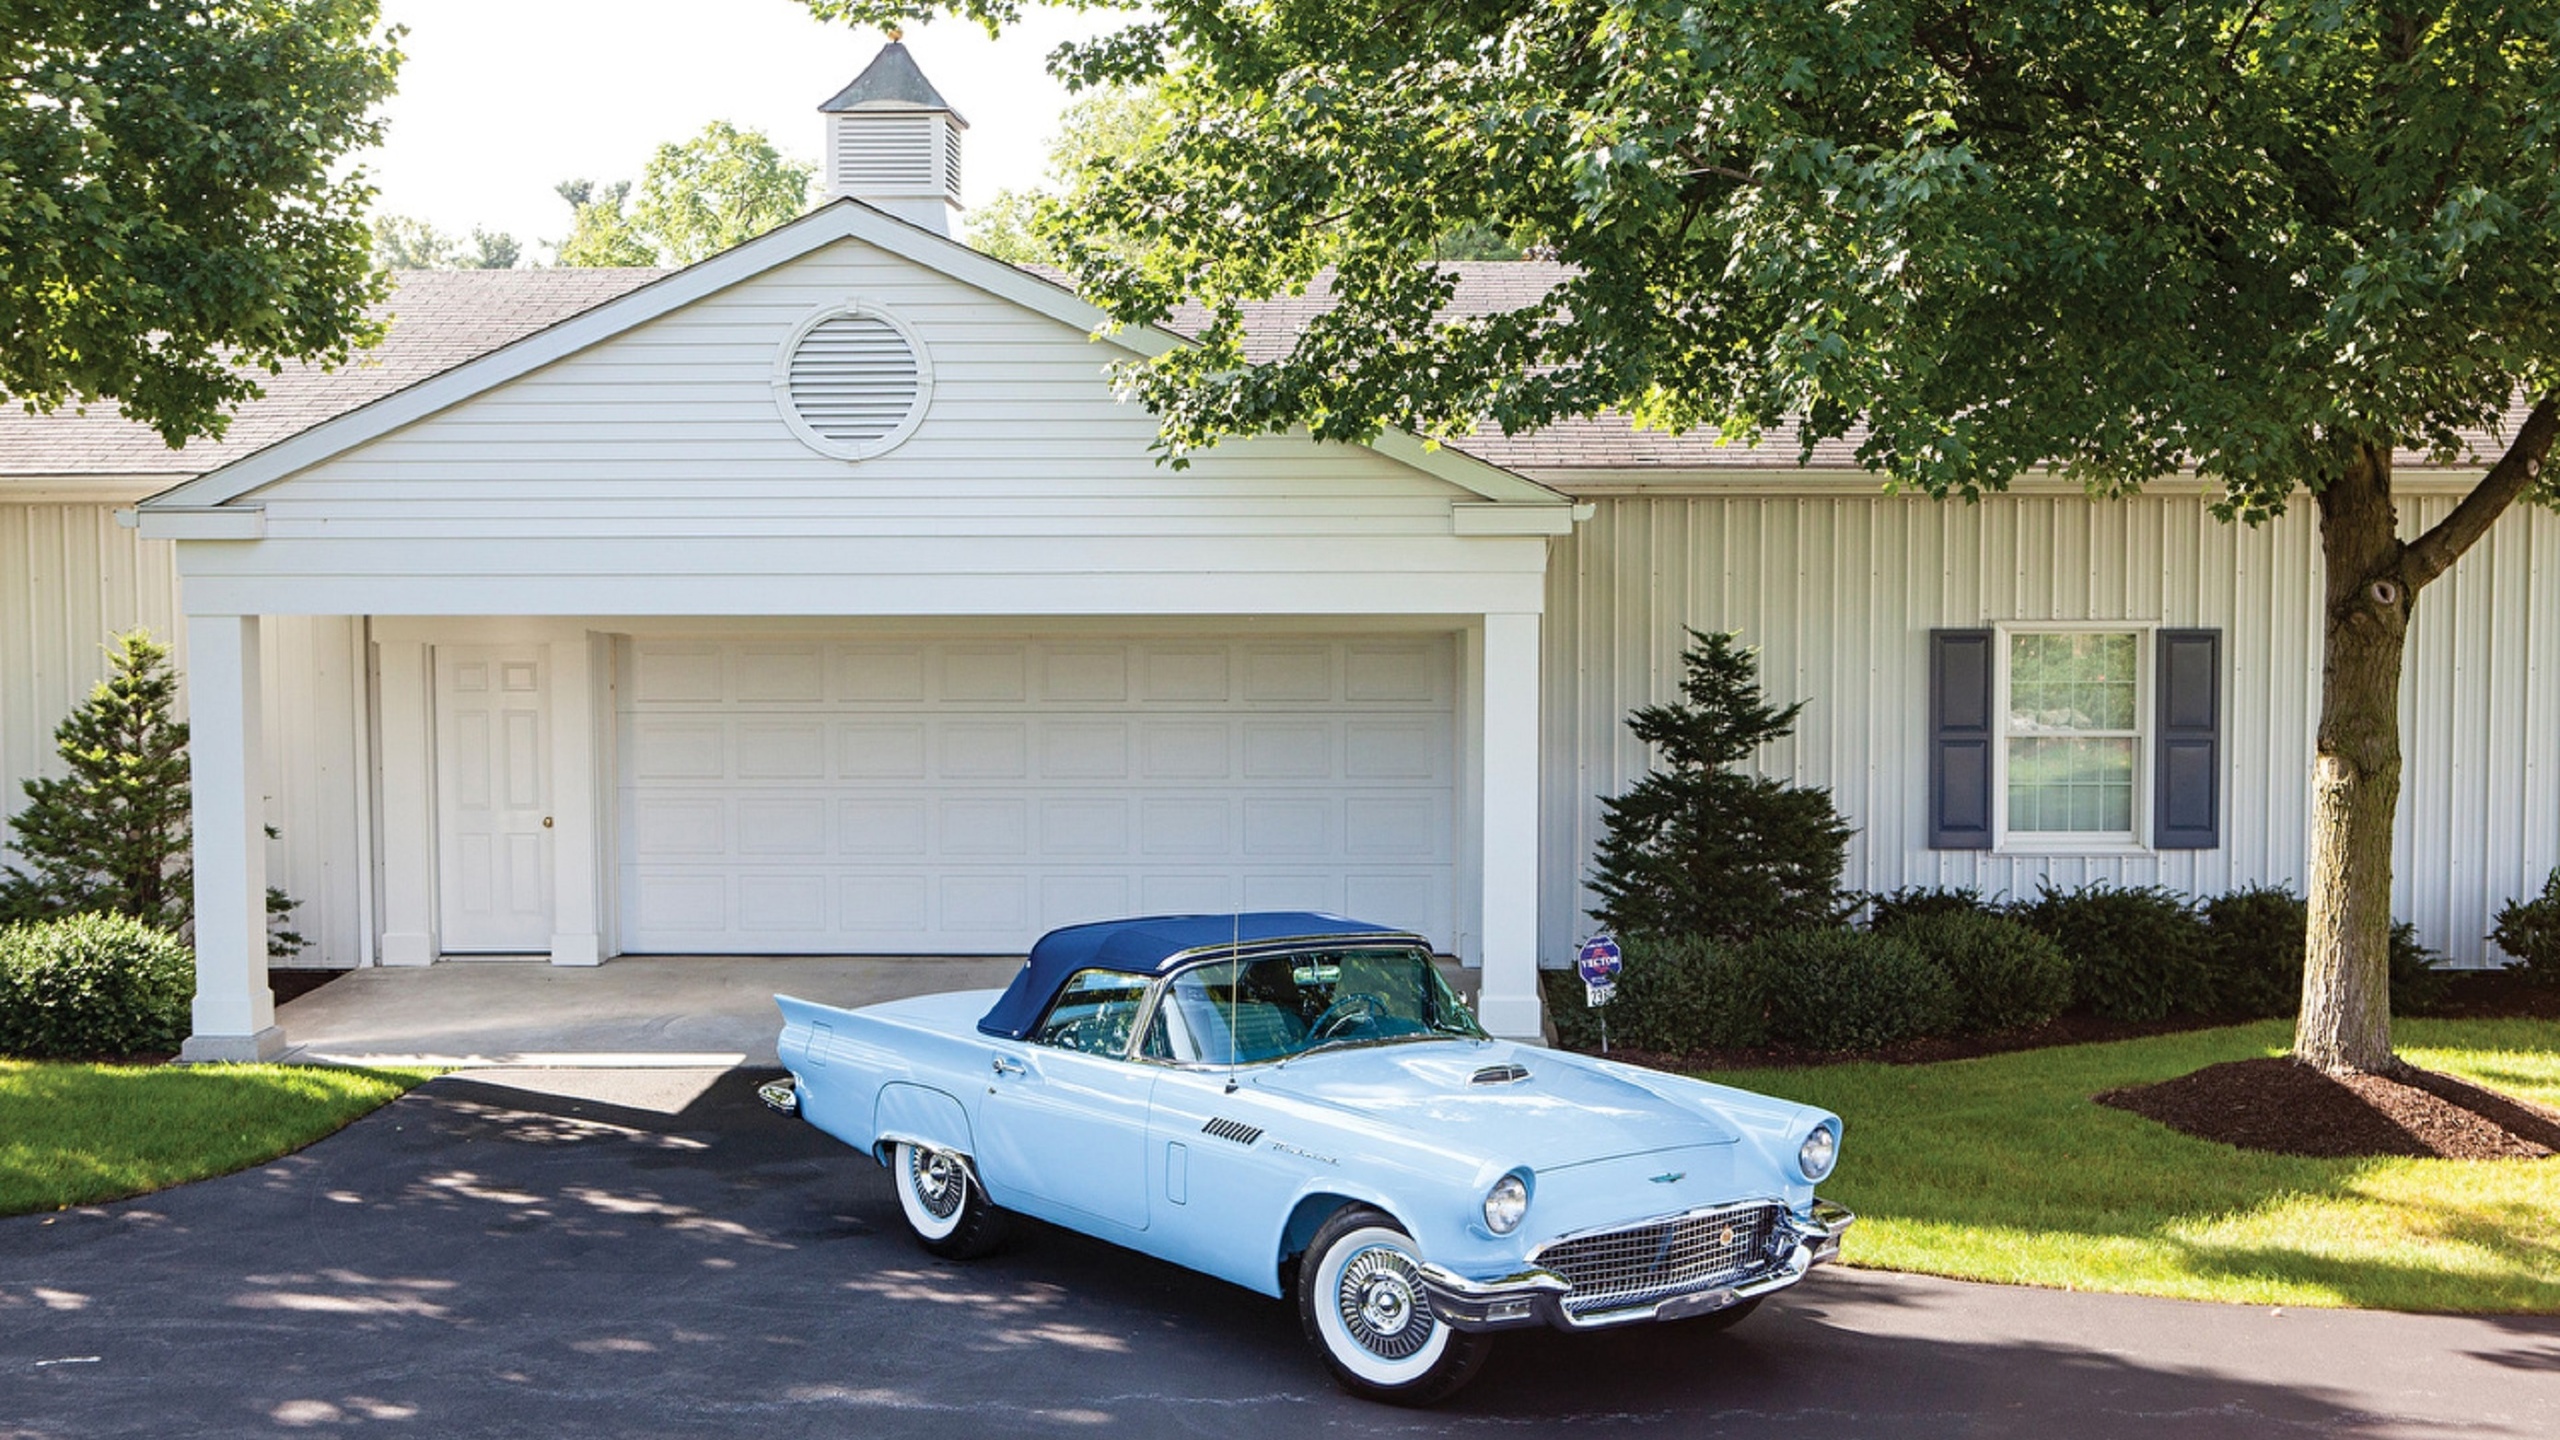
(1298, 1103)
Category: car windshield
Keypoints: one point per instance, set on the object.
(1246, 1012)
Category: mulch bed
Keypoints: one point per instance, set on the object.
(2290, 1109)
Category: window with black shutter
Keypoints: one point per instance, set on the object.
(1960, 739)
(2187, 799)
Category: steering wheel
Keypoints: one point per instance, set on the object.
(1358, 1007)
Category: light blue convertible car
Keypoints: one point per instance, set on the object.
(1298, 1103)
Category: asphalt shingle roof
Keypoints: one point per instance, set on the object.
(440, 319)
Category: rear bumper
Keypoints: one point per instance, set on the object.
(1537, 1297)
(780, 1096)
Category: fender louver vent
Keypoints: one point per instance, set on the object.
(1499, 1075)
(853, 379)
(1235, 1130)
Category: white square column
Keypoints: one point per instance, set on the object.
(576, 897)
(1507, 741)
(235, 1012)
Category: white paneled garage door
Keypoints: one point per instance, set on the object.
(800, 796)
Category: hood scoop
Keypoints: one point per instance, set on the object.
(1504, 1074)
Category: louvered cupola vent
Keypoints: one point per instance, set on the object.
(853, 383)
(893, 143)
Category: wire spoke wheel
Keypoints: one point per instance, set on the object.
(940, 1185)
(1362, 1304)
(1380, 1297)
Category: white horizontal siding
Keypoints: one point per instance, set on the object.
(70, 577)
(1023, 438)
(1838, 594)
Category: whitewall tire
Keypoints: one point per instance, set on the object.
(939, 1195)
(1361, 1303)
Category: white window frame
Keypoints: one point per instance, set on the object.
(2145, 727)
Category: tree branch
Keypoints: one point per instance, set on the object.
(2431, 554)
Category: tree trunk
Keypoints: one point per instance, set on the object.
(2355, 788)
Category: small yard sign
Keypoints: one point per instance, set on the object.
(1599, 963)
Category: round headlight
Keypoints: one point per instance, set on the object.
(1819, 1152)
(1504, 1204)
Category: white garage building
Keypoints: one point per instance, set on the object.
(823, 598)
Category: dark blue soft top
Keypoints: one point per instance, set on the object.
(1142, 947)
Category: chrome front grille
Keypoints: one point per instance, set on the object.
(1614, 1269)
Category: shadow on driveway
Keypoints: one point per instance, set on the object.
(486, 1260)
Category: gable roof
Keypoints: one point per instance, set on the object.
(839, 219)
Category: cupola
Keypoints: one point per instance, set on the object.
(893, 142)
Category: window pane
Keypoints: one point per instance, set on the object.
(2059, 784)
(2066, 681)
(1094, 1012)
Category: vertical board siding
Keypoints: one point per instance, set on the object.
(70, 577)
(1839, 595)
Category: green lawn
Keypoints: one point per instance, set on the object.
(78, 1134)
(2001, 1169)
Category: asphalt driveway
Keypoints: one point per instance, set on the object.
(479, 1259)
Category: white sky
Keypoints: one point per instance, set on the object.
(500, 100)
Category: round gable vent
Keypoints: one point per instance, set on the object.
(852, 382)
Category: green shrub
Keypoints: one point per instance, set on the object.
(2137, 953)
(92, 985)
(2417, 973)
(1889, 909)
(1829, 989)
(2530, 931)
(1674, 995)
(2004, 976)
(2254, 939)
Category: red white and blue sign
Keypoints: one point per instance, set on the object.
(1598, 963)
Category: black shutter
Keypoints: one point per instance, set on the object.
(2187, 759)
(1960, 739)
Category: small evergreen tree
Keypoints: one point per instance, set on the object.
(1699, 847)
(112, 834)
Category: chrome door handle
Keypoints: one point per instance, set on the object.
(1003, 1066)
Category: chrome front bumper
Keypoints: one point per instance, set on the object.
(1537, 1297)
(779, 1096)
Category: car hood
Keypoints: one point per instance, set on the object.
(1453, 1096)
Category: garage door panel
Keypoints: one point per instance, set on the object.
(792, 827)
(885, 827)
(664, 749)
(979, 828)
(878, 674)
(965, 796)
(686, 825)
(984, 750)
(877, 751)
(1084, 750)
(781, 673)
(678, 674)
(1289, 749)
(782, 750)
(1085, 674)
(1084, 827)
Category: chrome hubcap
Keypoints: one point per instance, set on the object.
(1381, 1304)
(937, 1180)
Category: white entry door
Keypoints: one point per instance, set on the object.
(493, 790)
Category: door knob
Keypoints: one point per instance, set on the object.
(546, 822)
